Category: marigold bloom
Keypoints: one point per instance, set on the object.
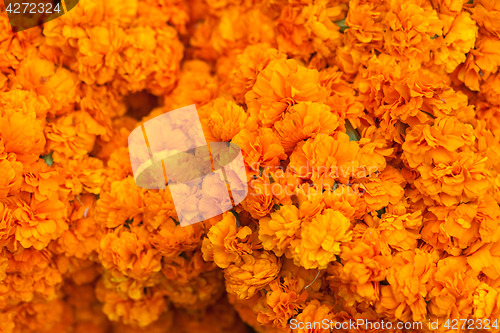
(222, 119)
(314, 312)
(251, 274)
(123, 202)
(281, 303)
(248, 65)
(325, 159)
(280, 85)
(453, 288)
(320, 240)
(261, 148)
(369, 128)
(129, 253)
(259, 201)
(225, 244)
(305, 120)
(459, 38)
(279, 229)
(365, 260)
(404, 297)
(308, 28)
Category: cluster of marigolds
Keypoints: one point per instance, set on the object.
(370, 130)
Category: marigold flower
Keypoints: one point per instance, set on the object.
(320, 240)
(305, 120)
(223, 119)
(130, 253)
(281, 303)
(280, 85)
(452, 275)
(261, 148)
(123, 202)
(324, 159)
(307, 29)
(171, 239)
(225, 244)
(404, 297)
(364, 262)
(388, 188)
(140, 312)
(370, 134)
(251, 274)
(247, 67)
(259, 201)
(312, 313)
(279, 229)
(401, 232)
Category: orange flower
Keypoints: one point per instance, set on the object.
(81, 240)
(388, 188)
(280, 85)
(130, 253)
(199, 292)
(68, 140)
(171, 239)
(364, 262)
(225, 244)
(320, 240)
(460, 34)
(454, 284)
(305, 120)
(222, 119)
(31, 275)
(437, 143)
(38, 223)
(486, 14)
(325, 159)
(401, 231)
(261, 148)
(259, 201)
(411, 25)
(278, 230)
(486, 302)
(308, 28)
(11, 179)
(251, 274)
(20, 127)
(247, 67)
(408, 276)
(449, 183)
(123, 202)
(486, 260)
(281, 303)
(314, 312)
(140, 312)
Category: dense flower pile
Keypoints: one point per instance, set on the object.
(371, 135)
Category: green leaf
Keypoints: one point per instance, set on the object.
(128, 222)
(238, 221)
(381, 212)
(342, 25)
(353, 134)
(48, 159)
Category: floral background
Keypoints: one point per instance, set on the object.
(370, 130)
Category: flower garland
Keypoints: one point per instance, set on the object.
(370, 130)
